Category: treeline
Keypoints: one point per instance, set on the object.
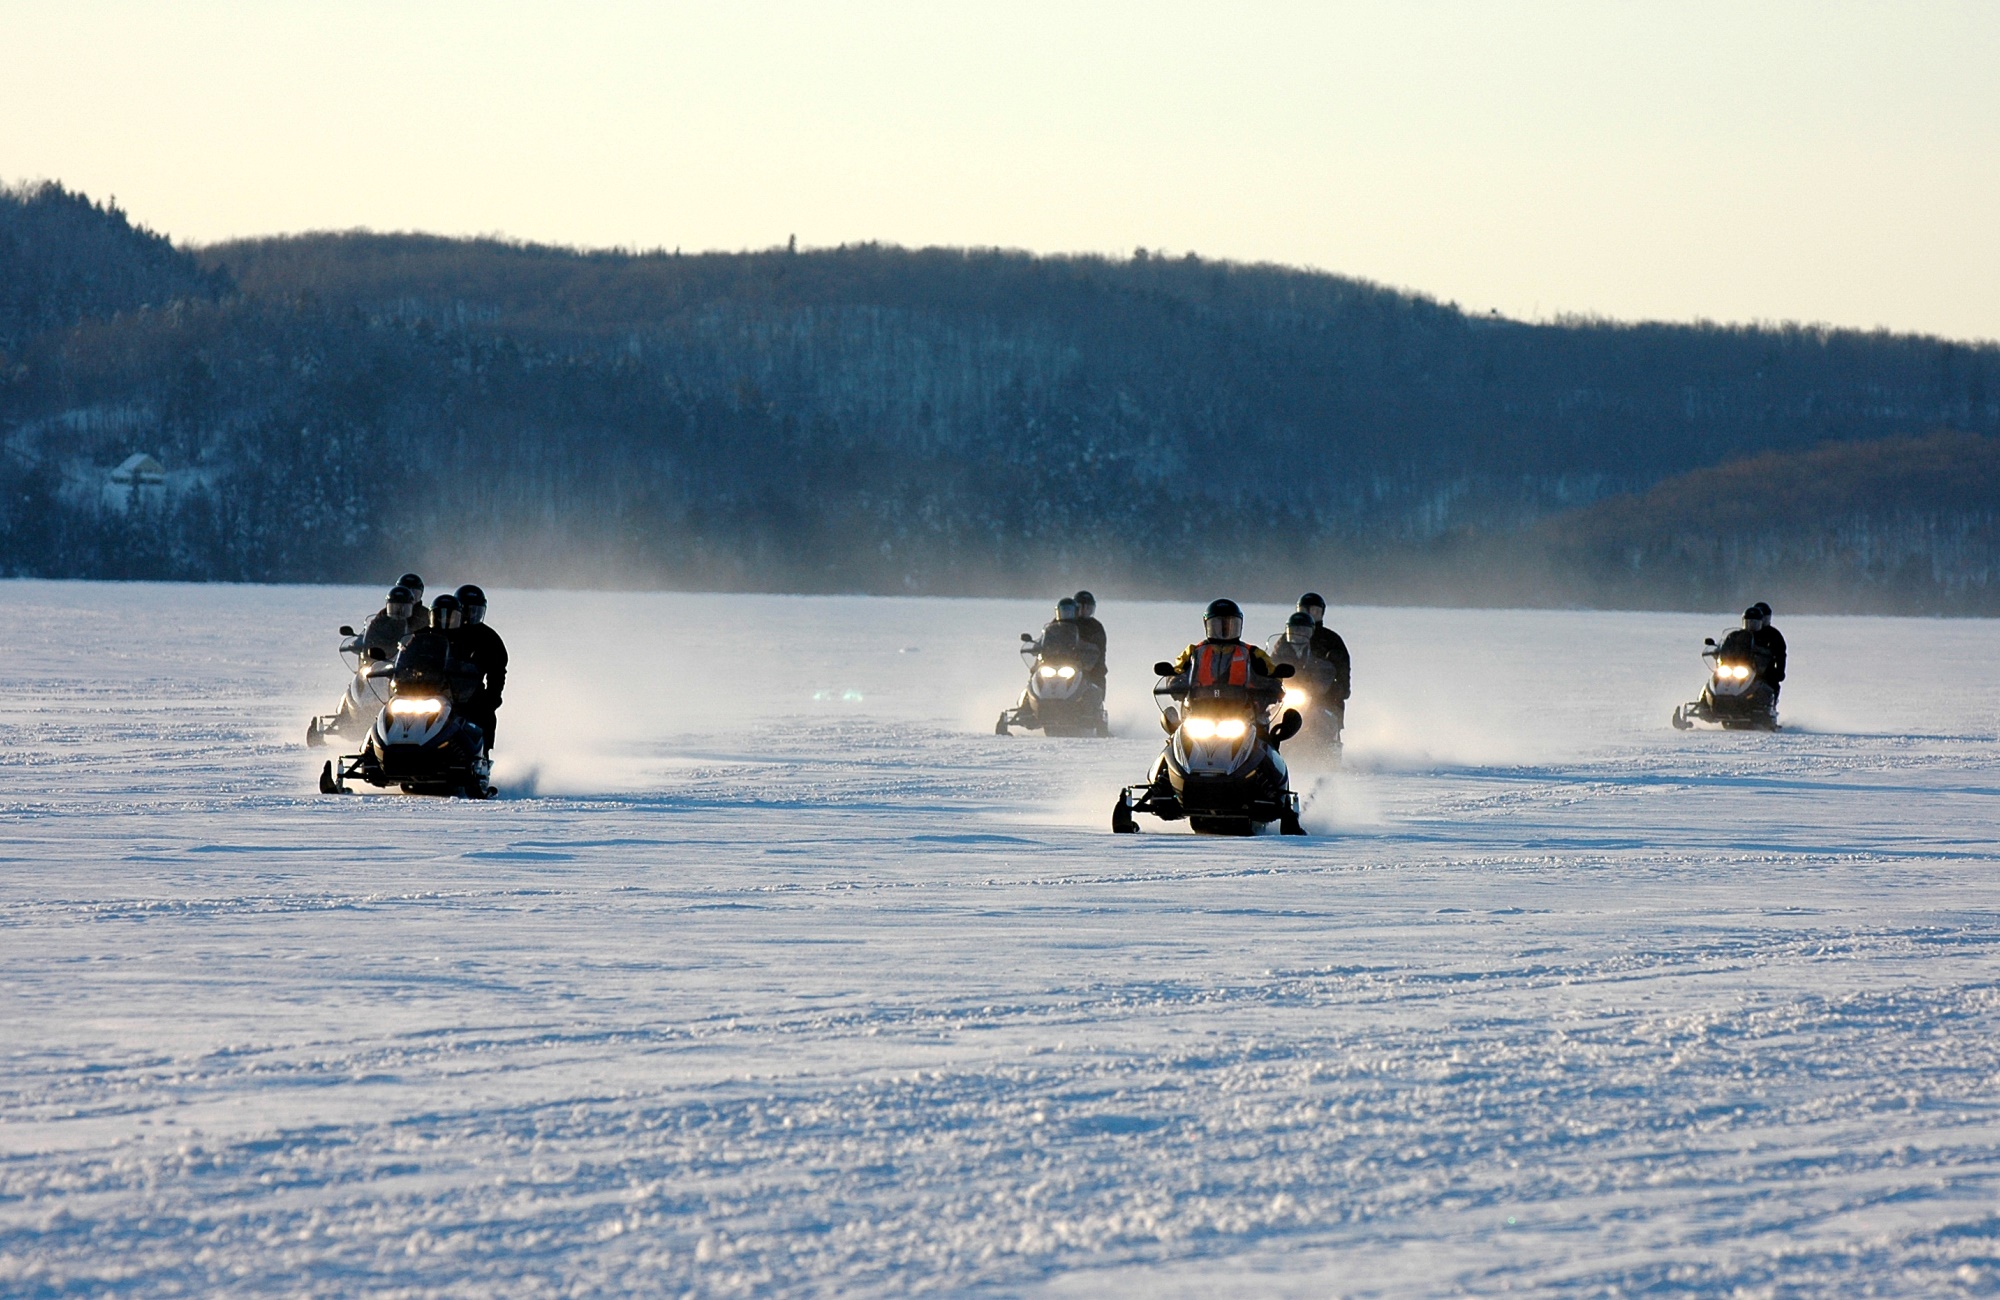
(1903, 525)
(872, 418)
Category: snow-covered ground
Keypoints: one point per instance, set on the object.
(776, 972)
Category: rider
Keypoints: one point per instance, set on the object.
(1320, 677)
(385, 629)
(475, 644)
(1328, 647)
(427, 650)
(420, 616)
(1062, 637)
(464, 680)
(1225, 660)
(1092, 633)
(1294, 646)
(1761, 643)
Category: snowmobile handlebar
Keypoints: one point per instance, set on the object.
(1278, 671)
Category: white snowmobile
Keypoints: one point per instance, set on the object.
(1220, 768)
(1737, 698)
(1061, 699)
(367, 692)
(419, 741)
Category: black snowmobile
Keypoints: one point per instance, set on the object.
(1220, 768)
(1737, 697)
(1061, 699)
(1313, 695)
(419, 741)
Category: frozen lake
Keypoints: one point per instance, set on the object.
(773, 971)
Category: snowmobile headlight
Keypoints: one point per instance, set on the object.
(1231, 728)
(1294, 698)
(1046, 671)
(1065, 672)
(1735, 672)
(415, 708)
(1200, 728)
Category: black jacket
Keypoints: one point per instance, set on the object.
(384, 632)
(480, 648)
(1766, 646)
(1092, 633)
(1062, 640)
(1327, 645)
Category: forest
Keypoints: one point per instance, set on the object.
(340, 406)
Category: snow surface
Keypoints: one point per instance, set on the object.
(775, 972)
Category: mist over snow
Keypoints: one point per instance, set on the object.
(774, 972)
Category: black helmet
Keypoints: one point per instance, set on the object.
(1066, 610)
(1763, 611)
(1754, 614)
(1223, 621)
(446, 612)
(1086, 604)
(415, 584)
(1299, 627)
(399, 595)
(1313, 604)
(473, 601)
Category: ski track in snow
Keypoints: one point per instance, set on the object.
(740, 990)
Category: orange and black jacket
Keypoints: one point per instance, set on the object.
(1224, 664)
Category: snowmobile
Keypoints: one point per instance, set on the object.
(1323, 714)
(419, 741)
(1060, 699)
(1737, 697)
(367, 692)
(1220, 769)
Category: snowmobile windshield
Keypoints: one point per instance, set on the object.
(422, 659)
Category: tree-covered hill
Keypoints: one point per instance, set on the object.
(1905, 525)
(65, 259)
(872, 418)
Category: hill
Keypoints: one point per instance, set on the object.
(65, 259)
(873, 418)
(1901, 525)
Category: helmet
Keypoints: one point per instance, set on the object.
(1223, 621)
(399, 595)
(473, 601)
(414, 583)
(446, 613)
(1086, 604)
(1753, 617)
(1313, 604)
(1066, 610)
(1763, 611)
(1299, 628)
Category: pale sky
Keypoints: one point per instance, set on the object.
(1824, 162)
